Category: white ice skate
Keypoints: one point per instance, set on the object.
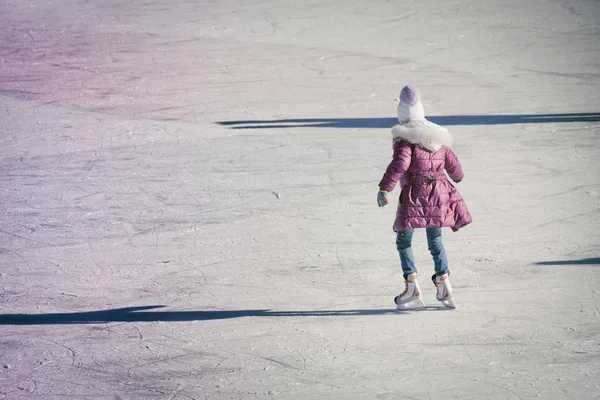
(411, 298)
(444, 290)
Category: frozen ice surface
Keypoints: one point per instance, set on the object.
(187, 200)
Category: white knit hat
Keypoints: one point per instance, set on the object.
(410, 106)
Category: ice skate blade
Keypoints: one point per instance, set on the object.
(415, 304)
(449, 303)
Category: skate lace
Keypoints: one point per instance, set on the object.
(442, 290)
(405, 289)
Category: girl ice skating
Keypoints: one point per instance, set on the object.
(422, 162)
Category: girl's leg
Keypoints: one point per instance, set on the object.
(436, 248)
(403, 244)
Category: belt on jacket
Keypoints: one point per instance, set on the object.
(426, 178)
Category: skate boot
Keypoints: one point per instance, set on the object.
(411, 298)
(444, 290)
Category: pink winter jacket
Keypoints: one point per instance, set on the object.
(422, 158)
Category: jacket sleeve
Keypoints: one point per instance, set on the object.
(453, 166)
(398, 166)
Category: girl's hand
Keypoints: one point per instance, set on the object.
(382, 199)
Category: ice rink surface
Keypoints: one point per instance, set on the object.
(188, 211)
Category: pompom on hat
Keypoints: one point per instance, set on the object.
(410, 107)
(410, 95)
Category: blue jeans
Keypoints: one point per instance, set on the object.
(436, 248)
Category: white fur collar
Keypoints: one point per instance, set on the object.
(425, 133)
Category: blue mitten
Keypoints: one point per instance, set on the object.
(382, 199)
